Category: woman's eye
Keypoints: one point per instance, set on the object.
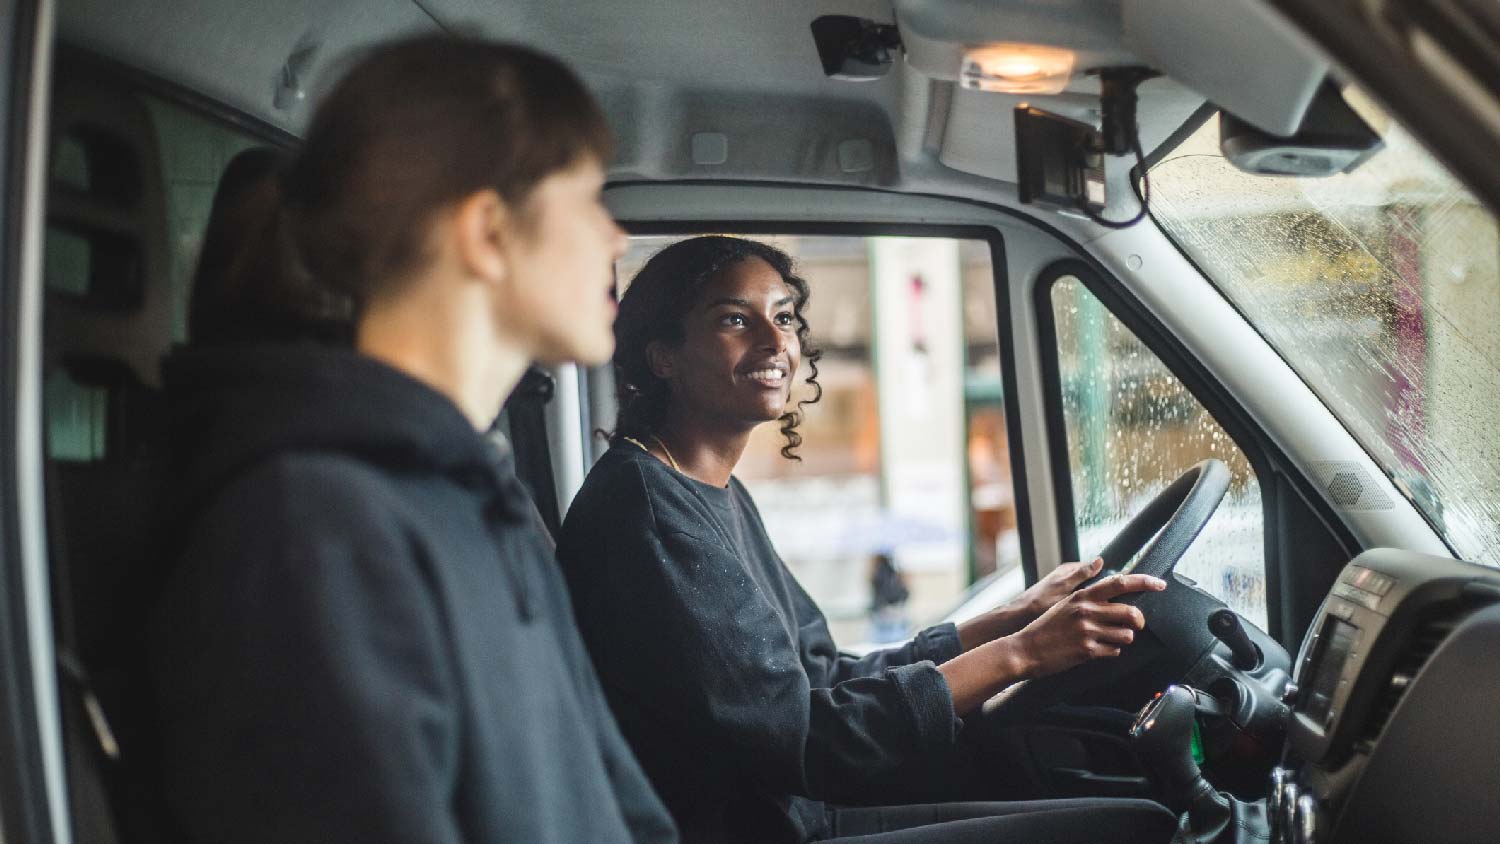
(785, 318)
(733, 319)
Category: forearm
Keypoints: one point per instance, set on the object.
(993, 625)
(982, 672)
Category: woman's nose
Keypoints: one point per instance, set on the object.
(772, 338)
(619, 241)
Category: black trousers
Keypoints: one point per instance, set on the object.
(1087, 820)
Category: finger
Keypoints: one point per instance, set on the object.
(1118, 636)
(1118, 615)
(1100, 649)
(1090, 568)
(1073, 574)
(1124, 584)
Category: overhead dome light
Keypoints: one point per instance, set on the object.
(1017, 68)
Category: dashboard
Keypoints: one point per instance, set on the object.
(1394, 733)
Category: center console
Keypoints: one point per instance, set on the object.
(1393, 733)
(1383, 622)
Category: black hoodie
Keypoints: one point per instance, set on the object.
(366, 639)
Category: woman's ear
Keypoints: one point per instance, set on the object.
(659, 358)
(479, 230)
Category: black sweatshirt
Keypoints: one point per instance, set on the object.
(366, 639)
(721, 669)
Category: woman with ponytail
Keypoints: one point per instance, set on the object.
(719, 666)
(365, 637)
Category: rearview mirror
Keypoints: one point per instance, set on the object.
(1331, 139)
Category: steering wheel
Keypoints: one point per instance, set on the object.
(1174, 618)
(1178, 512)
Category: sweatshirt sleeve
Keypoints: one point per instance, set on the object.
(936, 644)
(304, 685)
(685, 636)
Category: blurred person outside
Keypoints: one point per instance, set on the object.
(888, 596)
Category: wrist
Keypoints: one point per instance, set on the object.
(1024, 610)
(995, 624)
(1015, 615)
(1011, 659)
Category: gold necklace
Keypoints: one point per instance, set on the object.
(659, 444)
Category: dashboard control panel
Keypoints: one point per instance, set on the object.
(1383, 620)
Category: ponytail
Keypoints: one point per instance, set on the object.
(248, 285)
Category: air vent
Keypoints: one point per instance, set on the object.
(1424, 640)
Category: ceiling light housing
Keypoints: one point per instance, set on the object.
(1014, 68)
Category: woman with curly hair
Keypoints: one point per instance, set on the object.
(718, 665)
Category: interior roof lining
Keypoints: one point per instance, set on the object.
(176, 92)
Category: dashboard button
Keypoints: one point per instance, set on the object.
(1350, 593)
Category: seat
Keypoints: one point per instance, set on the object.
(524, 422)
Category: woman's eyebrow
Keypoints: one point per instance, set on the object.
(745, 303)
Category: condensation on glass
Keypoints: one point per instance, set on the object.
(1132, 429)
(1381, 288)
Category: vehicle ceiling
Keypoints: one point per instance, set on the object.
(666, 69)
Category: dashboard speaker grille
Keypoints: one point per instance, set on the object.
(1349, 486)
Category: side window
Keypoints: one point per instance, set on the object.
(130, 184)
(903, 498)
(1133, 427)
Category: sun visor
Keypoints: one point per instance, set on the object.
(1239, 56)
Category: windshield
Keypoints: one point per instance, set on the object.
(1381, 288)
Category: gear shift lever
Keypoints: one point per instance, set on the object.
(1162, 738)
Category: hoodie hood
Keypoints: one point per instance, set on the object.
(233, 407)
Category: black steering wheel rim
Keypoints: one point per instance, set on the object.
(1175, 517)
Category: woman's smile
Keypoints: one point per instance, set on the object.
(769, 375)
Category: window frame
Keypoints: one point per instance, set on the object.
(33, 789)
(1276, 475)
(71, 58)
(1005, 338)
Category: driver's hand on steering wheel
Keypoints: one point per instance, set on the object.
(1078, 627)
(1083, 625)
(1029, 605)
